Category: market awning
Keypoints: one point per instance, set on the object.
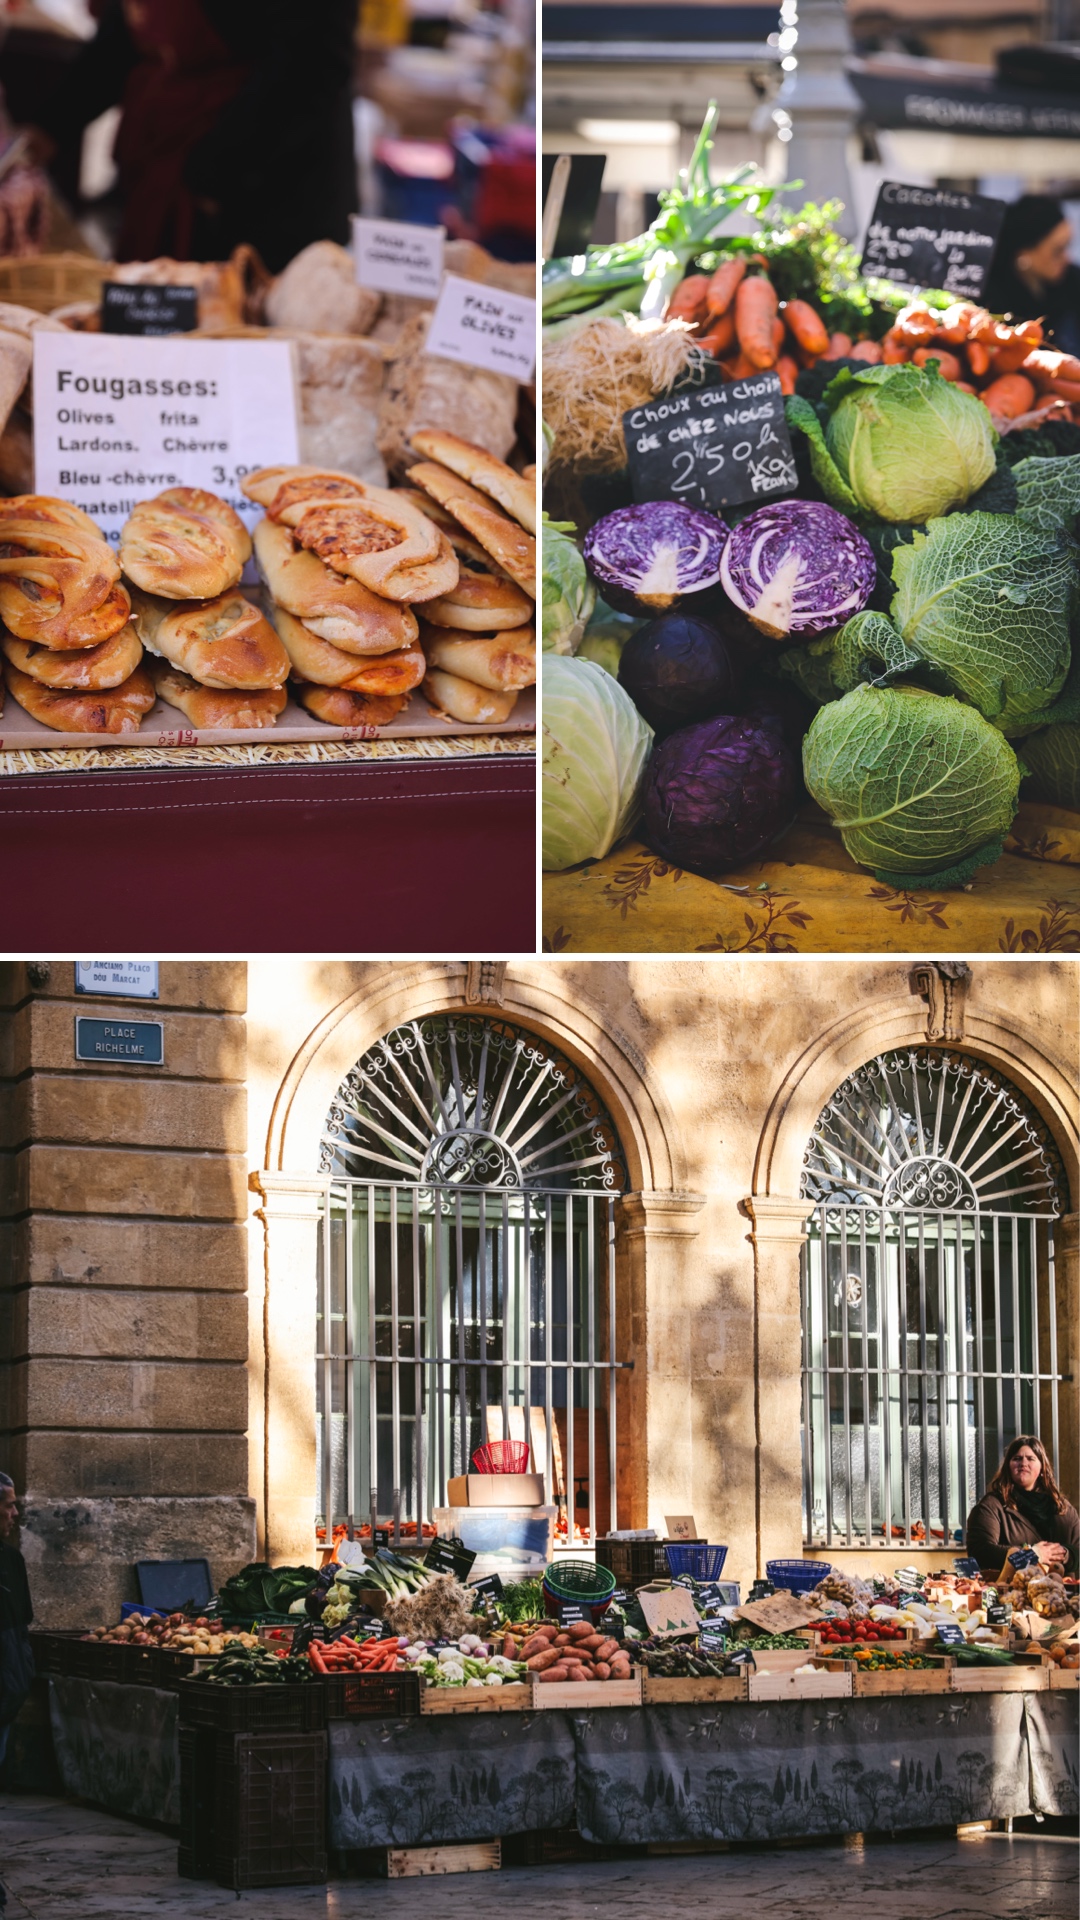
(972, 105)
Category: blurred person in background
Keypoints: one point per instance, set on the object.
(1032, 276)
(236, 123)
(16, 1613)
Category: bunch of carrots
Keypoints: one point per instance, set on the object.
(739, 319)
(354, 1656)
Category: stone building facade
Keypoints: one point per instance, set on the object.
(161, 1229)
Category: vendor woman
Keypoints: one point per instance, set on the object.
(1024, 1507)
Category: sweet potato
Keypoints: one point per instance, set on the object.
(552, 1673)
(724, 285)
(720, 334)
(688, 299)
(868, 350)
(947, 363)
(591, 1645)
(607, 1650)
(755, 311)
(620, 1670)
(540, 1661)
(807, 327)
(561, 1639)
(603, 1671)
(895, 350)
(1009, 396)
(581, 1630)
(509, 1647)
(537, 1642)
(576, 1674)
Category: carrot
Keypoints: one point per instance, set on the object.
(868, 350)
(755, 311)
(739, 369)
(947, 363)
(894, 348)
(807, 327)
(1044, 365)
(955, 323)
(788, 371)
(315, 1659)
(963, 387)
(688, 299)
(1008, 397)
(1066, 389)
(839, 347)
(916, 324)
(978, 358)
(723, 285)
(719, 336)
(778, 337)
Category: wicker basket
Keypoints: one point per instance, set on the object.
(47, 280)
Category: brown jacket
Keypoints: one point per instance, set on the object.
(993, 1528)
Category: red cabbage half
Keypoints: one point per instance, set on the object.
(649, 556)
(718, 792)
(798, 566)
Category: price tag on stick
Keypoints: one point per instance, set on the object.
(117, 420)
(712, 447)
(932, 237)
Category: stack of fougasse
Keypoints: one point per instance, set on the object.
(214, 654)
(350, 566)
(72, 657)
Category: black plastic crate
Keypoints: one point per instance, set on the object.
(270, 1816)
(198, 1797)
(635, 1562)
(112, 1660)
(298, 1707)
(52, 1649)
(371, 1696)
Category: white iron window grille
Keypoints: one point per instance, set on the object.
(466, 1275)
(930, 1316)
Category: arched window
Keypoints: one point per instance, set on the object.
(466, 1287)
(930, 1319)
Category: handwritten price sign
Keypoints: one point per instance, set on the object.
(714, 447)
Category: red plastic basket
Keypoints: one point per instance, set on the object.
(502, 1456)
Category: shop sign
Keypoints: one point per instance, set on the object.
(393, 256)
(711, 446)
(120, 979)
(112, 1041)
(117, 420)
(148, 310)
(932, 237)
(484, 327)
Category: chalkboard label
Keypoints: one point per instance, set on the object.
(712, 447)
(1023, 1557)
(618, 1598)
(491, 1584)
(932, 237)
(996, 1614)
(141, 1041)
(449, 1556)
(761, 1590)
(148, 310)
(614, 1626)
(970, 1568)
(570, 1610)
(950, 1634)
(714, 1637)
(907, 1576)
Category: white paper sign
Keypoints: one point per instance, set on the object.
(122, 979)
(118, 419)
(394, 257)
(484, 327)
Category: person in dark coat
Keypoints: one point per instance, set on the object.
(16, 1613)
(1024, 1507)
(236, 123)
(1032, 275)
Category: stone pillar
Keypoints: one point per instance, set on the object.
(656, 1405)
(290, 1217)
(778, 1233)
(822, 106)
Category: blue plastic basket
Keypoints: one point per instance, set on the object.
(798, 1576)
(701, 1563)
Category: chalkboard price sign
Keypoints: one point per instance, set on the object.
(448, 1556)
(712, 447)
(950, 1634)
(148, 309)
(932, 237)
(970, 1568)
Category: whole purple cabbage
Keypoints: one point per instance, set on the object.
(716, 793)
(798, 566)
(649, 556)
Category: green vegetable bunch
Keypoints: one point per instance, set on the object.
(261, 1588)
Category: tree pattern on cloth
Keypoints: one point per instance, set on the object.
(765, 931)
(1058, 931)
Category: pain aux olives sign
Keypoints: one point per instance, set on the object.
(712, 447)
(120, 418)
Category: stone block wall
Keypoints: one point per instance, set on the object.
(123, 1273)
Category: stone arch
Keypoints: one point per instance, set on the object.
(529, 997)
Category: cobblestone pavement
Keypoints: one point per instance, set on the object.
(65, 1862)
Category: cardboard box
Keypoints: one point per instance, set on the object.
(496, 1490)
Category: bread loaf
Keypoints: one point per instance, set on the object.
(51, 513)
(225, 642)
(423, 390)
(340, 708)
(186, 544)
(318, 291)
(110, 710)
(514, 494)
(499, 536)
(342, 611)
(504, 663)
(382, 542)
(213, 707)
(58, 586)
(462, 700)
(463, 543)
(325, 665)
(86, 668)
(481, 603)
(340, 379)
(285, 492)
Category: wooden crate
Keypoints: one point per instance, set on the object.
(782, 1659)
(657, 1691)
(915, 1680)
(1062, 1679)
(1026, 1679)
(821, 1685)
(562, 1694)
(478, 1856)
(513, 1698)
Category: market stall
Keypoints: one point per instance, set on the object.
(809, 587)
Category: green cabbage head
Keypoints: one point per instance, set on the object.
(1053, 757)
(899, 442)
(567, 594)
(595, 749)
(921, 787)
